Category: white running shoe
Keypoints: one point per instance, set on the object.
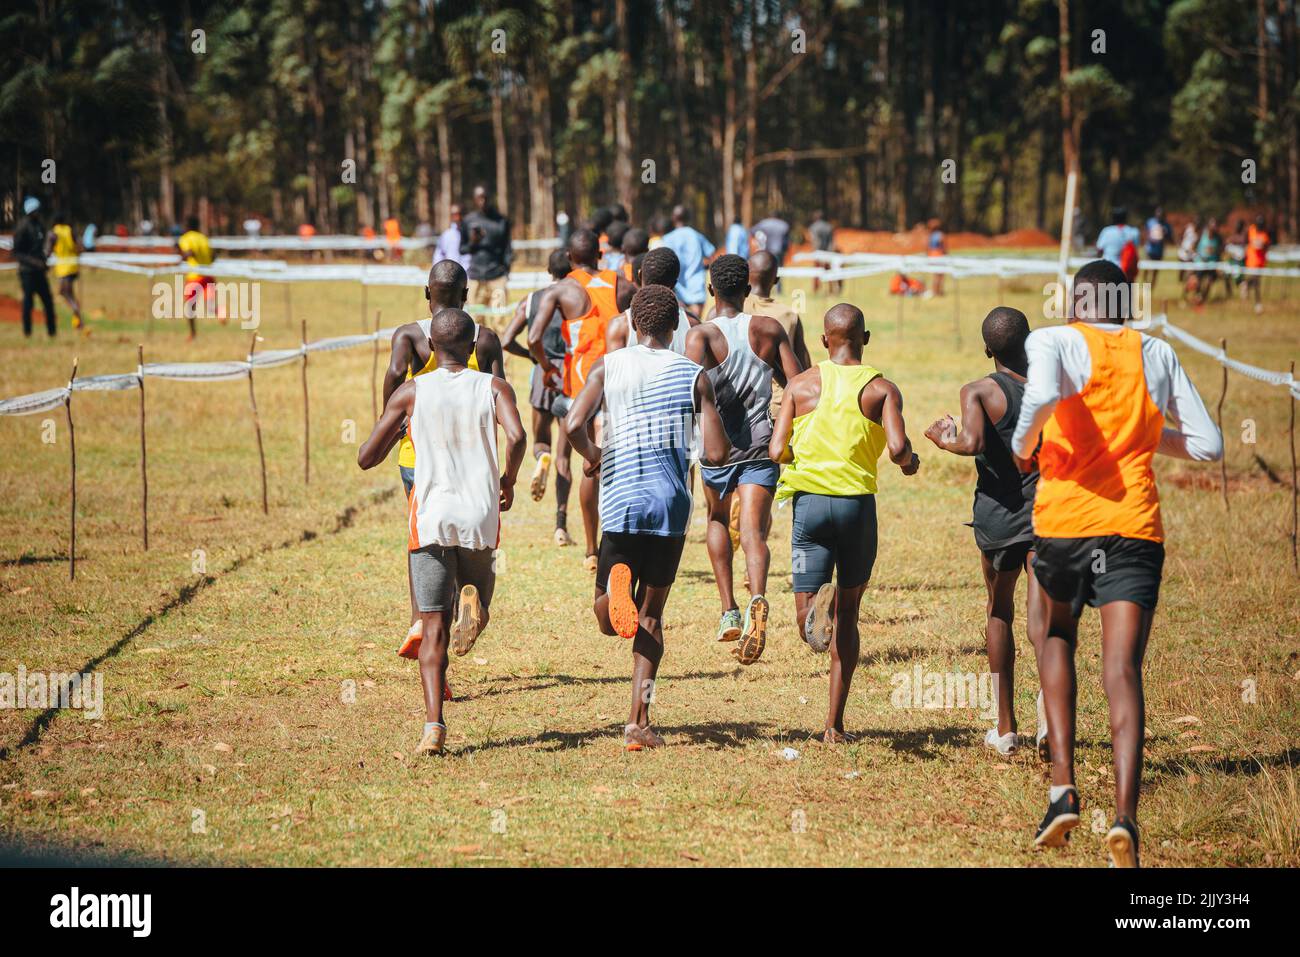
(1004, 744)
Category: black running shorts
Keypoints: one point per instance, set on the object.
(1097, 571)
(653, 559)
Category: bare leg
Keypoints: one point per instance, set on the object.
(999, 639)
(433, 661)
(718, 542)
(1125, 628)
(647, 651)
(1056, 672)
(755, 525)
(844, 652)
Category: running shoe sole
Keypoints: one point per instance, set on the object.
(754, 639)
(1120, 844)
(411, 645)
(540, 472)
(823, 628)
(464, 632)
(622, 609)
(1057, 833)
(730, 634)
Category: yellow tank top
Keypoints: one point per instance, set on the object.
(65, 251)
(406, 449)
(197, 250)
(835, 446)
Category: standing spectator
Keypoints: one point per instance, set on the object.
(89, 237)
(449, 240)
(693, 251)
(1159, 232)
(936, 246)
(485, 237)
(738, 239)
(563, 228)
(1257, 243)
(31, 252)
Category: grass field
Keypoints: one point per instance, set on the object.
(228, 650)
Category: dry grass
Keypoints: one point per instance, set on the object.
(224, 689)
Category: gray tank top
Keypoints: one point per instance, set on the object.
(1004, 498)
(742, 386)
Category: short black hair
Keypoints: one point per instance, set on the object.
(584, 246)
(729, 276)
(1005, 331)
(448, 273)
(558, 264)
(452, 327)
(1119, 214)
(618, 211)
(654, 310)
(660, 267)
(635, 241)
(1106, 284)
(192, 223)
(637, 260)
(601, 218)
(615, 233)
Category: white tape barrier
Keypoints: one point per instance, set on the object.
(183, 372)
(291, 243)
(857, 265)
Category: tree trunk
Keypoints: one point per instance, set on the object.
(499, 141)
(623, 178)
(444, 170)
(166, 188)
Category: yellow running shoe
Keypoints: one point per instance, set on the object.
(541, 470)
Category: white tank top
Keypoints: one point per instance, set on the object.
(455, 499)
(742, 386)
(678, 345)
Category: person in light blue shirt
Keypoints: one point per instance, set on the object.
(1112, 240)
(738, 239)
(693, 251)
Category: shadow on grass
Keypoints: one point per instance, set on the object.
(1238, 766)
(719, 734)
(16, 852)
(36, 560)
(505, 685)
(921, 742)
(183, 596)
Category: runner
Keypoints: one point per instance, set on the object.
(651, 397)
(1002, 514)
(413, 355)
(194, 246)
(585, 302)
(636, 242)
(451, 413)
(1258, 242)
(1159, 232)
(1102, 396)
(1209, 249)
(547, 404)
(613, 257)
(693, 251)
(836, 420)
(763, 269)
(659, 267)
(742, 354)
(65, 264)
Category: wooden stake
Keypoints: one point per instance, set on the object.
(1295, 501)
(1223, 460)
(144, 461)
(306, 414)
(374, 370)
(956, 310)
(72, 446)
(257, 424)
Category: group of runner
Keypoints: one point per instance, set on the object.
(645, 390)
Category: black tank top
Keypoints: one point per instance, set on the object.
(1004, 498)
(553, 337)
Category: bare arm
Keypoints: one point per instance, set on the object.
(616, 332)
(779, 354)
(697, 346)
(511, 336)
(399, 361)
(800, 347)
(584, 408)
(546, 308)
(716, 447)
(891, 420)
(970, 439)
(488, 350)
(507, 414)
(778, 447)
(624, 290)
(397, 409)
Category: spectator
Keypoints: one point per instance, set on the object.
(30, 249)
(773, 235)
(485, 237)
(449, 240)
(1159, 232)
(693, 251)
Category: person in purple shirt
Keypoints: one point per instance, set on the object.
(449, 240)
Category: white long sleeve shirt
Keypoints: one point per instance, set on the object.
(1060, 365)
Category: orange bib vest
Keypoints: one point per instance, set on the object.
(584, 338)
(1095, 462)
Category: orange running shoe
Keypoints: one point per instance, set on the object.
(622, 609)
(411, 646)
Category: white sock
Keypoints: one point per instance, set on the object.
(430, 725)
(1055, 792)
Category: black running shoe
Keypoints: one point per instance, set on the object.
(1122, 842)
(1062, 817)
